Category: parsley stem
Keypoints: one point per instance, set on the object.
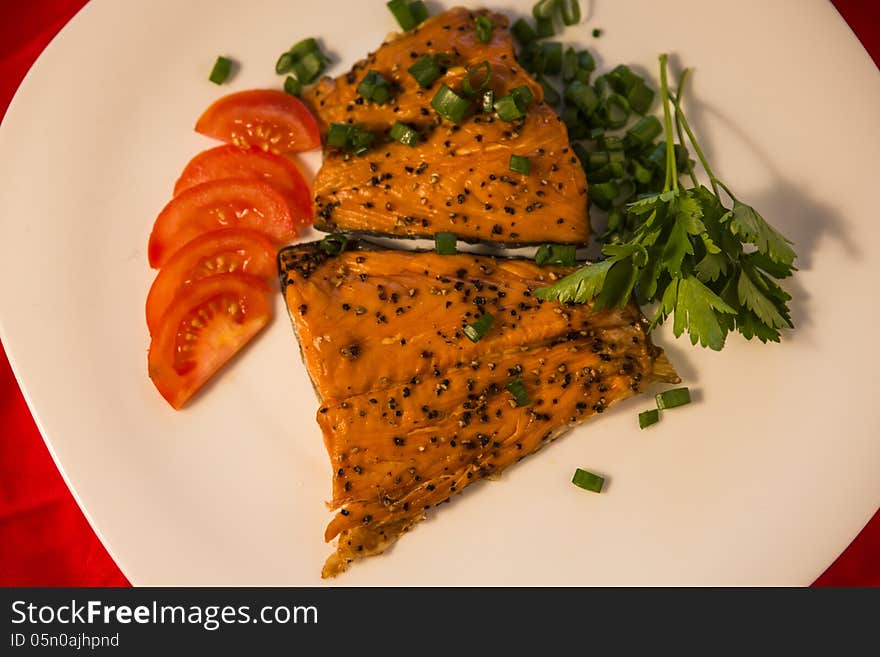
(679, 114)
(677, 100)
(671, 172)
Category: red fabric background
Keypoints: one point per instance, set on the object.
(44, 538)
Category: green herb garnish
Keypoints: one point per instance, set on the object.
(518, 389)
(221, 70)
(673, 398)
(445, 243)
(588, 481)
(556, 254)
(520, 164)
(404, 134)
(711, 261)
(425, 70)
(475, 331)
(409, 13)
(484, 28)
(450, 105)
(374, 88)
(649, 417)
(333, 244)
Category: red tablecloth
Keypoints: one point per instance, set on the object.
(44, 538)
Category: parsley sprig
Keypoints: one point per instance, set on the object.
(712, 264)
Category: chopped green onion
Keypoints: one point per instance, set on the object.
(419, 11)
(361, 140)
(610, 143)
(552, 51)
(520, 164)
(304, 47)
(333, 244)
(603, 194)
(586, 60)
(571, 11)
(588, 481)
(622, 79)
(642, 174)
(475, 331)
(544, 27)
(645, 131)
(556, 254)
(640, 97)
(292, 86)
(425, 70)
(597, 133)
(408, 13)
(375, 88)
(582, 96)
(444, 243)
(351, 138)
(518, 389)
(673, 398)
(508, 109)
(616, 111)
(531, 58)
(551, 96)
(305, 59)
(337, 135)
(484, 29)
(647, 418)
(221, 70)
(404, 134)
(449, 105)
(308, 67)
(597, 32)
(569, 65)
(488, 101)
(284, 63)
(523, 32)
(544, 8)
(469, 86)
(445, 60)
(523, 97)
(596, 160)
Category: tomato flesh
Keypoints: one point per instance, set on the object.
(210, 206)
(267, 119)
(230, 161)
(206, 325)
(231, 250)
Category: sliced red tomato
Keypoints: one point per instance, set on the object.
(233, 162)
(228, 203)
(265, 118)
(205, 326)
(231, 250)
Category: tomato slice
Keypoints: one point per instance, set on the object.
(206, 325)
(228, 203)
(219, 252)
(266, 118)
(233, 162)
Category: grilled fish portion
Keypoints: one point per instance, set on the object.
(412, 411)
(457, 178)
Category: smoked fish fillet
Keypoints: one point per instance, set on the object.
(458, 177)
(411, 410)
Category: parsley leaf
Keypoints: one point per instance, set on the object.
(745, 222)
(695, 310)
(752, 298)
(580, 286)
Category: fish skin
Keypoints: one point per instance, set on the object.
(458, 178)
(404, 430)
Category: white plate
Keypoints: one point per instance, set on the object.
(763, 481)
